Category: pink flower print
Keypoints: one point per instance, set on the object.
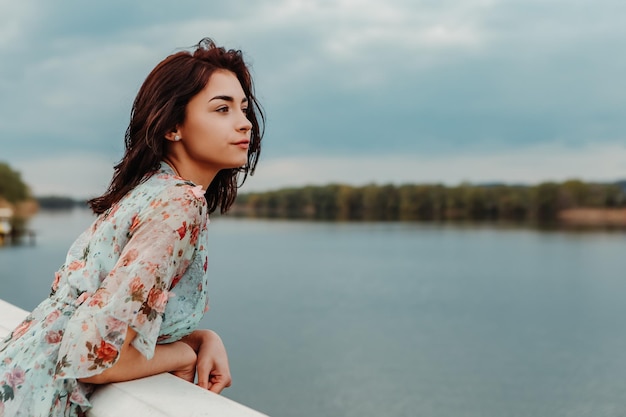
(77, 397)
(52, 316)
(135, 223)
(152, 267)
(182, 230)
(197, 191)
(76, 265)
(194, 235)
(54, 336)
(106, 352)
(114, 209)
(175, 280)
(57, 278)
(130, 257)
(96, 299)
(136, 289)
(185, 203)
(81, 298)
(114, 325)
(16, 377)
(136, 285)
(157, 299)
(22, 328)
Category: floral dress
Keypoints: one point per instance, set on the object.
(141, 264)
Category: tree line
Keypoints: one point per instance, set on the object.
(432, 202)
(408, 202)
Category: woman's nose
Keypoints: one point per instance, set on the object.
(245, 124)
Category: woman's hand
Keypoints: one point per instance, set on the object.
(188, 370)
(212, 363)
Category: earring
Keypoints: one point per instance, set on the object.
(176, 138)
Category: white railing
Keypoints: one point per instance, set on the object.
(161, 395)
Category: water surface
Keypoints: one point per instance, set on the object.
(397, 319)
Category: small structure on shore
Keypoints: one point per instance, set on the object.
(13, 227)
(6, 214)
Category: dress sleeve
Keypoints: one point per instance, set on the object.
(161, 245)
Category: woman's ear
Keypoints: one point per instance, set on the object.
(173, 136)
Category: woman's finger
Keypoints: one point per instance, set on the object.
(218, 383)
(204, 368)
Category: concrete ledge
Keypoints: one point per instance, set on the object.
(161, 395)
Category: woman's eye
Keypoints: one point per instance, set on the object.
(245, 110)
(223, 109)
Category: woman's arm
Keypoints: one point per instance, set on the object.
(161, 243)
(178, 358)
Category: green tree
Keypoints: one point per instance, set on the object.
(422, 202)
(615, 196)
(475, 202)
(512, 203)
(324, 200)
(349, 203)
(12, 188)
(380, 202)
(456, 200)
(573, 193)
(289, 203)
(545, 201)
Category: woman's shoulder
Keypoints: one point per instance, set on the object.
(166, 189)
(164, 181)
(162, 191)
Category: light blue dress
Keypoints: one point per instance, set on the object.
(141, 264)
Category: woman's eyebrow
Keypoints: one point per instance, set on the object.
(228, 98)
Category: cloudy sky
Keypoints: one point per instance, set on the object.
(356, 91)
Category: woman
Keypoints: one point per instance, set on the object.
(125, 303)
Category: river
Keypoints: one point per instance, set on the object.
(397, 319)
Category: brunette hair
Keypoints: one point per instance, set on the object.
(160, 106)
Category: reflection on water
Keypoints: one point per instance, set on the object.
(398, 319)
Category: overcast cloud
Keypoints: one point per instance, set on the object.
(355, 91)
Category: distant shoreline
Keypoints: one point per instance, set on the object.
(581, 216)
(578, 218)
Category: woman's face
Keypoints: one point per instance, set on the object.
(216, 132)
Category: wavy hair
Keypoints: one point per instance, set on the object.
(160, 106)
